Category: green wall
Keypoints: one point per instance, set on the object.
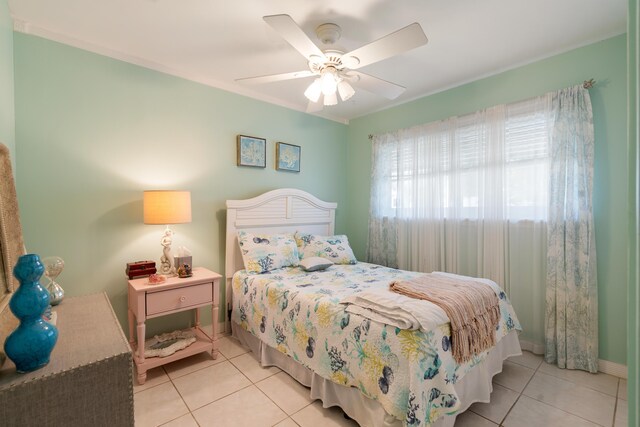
(7, 115)
(604, 61)
(92, 133)
(633, 351)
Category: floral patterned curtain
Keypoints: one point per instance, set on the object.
(571, 322)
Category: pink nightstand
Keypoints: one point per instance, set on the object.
(147, 301)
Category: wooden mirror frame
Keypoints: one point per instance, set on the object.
(11, 244)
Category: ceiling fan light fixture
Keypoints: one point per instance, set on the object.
(314, 90)
(329, 81)
(330, 99)
(345, 90)
(335, 70)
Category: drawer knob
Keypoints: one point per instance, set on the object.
(183, 298)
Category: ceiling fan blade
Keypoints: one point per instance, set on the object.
(293, 34)
(314, 107)
(396, 43)
(276, 77)
(375, 85)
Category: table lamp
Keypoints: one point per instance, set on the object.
(166, 207)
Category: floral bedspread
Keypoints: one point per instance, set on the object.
(411, 373)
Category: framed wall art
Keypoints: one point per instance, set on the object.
(252, 151)
(287, 157)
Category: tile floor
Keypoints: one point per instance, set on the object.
(235, 391)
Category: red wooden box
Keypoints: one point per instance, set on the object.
(140, 269)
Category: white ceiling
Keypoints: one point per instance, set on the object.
(217, 41)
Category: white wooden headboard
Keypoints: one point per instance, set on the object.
(277, 211)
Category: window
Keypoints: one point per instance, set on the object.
(493, 164)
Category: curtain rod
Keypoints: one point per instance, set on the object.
(587, 84)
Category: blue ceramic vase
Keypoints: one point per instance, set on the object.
(30, 345)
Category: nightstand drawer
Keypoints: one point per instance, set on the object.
(176, 299)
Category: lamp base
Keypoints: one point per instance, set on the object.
(165, 261)
(165, 267)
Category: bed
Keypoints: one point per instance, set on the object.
(378, 374)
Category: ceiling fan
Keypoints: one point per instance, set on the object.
(335, 70)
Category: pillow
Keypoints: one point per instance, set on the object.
(333, 248)
(315, 263)
(262, 253)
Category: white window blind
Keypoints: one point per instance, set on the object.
(490, 164)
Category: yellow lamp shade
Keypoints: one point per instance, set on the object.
(167, 207)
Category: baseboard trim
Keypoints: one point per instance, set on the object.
(604, 366)
(613, 368)
(221, 329)
(532, 347)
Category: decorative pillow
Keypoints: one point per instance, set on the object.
(265, 252)
(333, 248)
(315, 263)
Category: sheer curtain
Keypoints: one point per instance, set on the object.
(470, 195)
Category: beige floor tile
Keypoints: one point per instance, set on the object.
(286, 392)
(191, 364)
(469, 419)
(219, 393)
(622, 389)
(209, 384)
(287, 423)
(622, 414)
(248, 407)
(250, 367)
(155, 377)
(531, 413)
(315, 415)
(527, 359)
(578, 400)
(231, 347)
(604, 383)
(502, 399)
(158, 405)
(514, 376)
(183, 421)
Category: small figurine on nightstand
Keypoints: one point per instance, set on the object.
(184, 271)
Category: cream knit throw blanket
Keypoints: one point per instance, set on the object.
(472, 308)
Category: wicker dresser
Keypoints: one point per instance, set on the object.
(88, 381)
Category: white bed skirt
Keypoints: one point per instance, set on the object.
(475, 386)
